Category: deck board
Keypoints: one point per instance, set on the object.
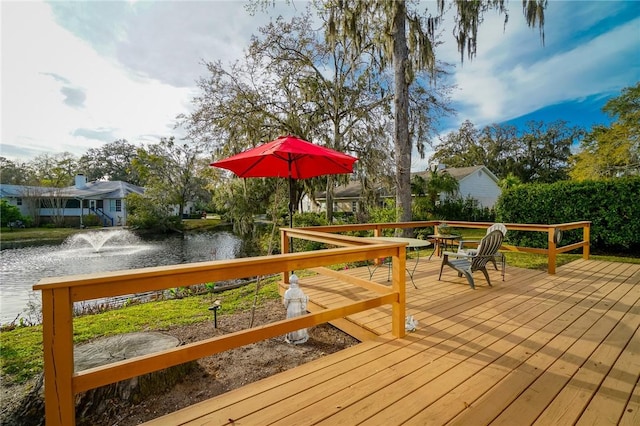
(551, 349)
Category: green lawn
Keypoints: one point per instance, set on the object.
(40, 234)
(21, 348)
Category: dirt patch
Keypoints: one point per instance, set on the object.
(223, 372)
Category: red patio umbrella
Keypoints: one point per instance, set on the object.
(290, 157)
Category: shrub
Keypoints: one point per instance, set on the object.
(611, 205)
(91, 220)
(146, 214)
(464, 210)
(9, 213)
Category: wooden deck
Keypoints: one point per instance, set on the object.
(534, 349)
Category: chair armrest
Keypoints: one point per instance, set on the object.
(463, 242)
(469, 241)
(454, 254)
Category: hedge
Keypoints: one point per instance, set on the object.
(613, 207)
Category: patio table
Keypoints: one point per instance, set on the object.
(440, 241)
(414, 244)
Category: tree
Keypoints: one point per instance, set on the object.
(410, 50)
(55, 200)
(546, 149)
(539, 154)
(112, 161)
(612, 151)
(501, 146)
(440, 182)
(509, 181)
(15, 173)
(241, 199)
(292, 82)
(462, 148)
(249, 103)
(430, 189)
(173, 173)
(57, 170)
(144, 213)
(8, 213)
(350, 98)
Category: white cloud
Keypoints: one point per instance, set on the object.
(77, 74)
(513, 74)
(43, 65)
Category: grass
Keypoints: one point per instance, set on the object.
(21, 348)
(59, 234)
(40, 234)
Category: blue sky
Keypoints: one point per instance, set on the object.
(76, 75)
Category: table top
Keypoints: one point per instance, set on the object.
(411, 242)
(445, 236)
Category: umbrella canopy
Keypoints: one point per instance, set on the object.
(289, 157)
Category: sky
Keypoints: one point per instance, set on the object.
(77, 75)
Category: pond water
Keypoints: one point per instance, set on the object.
(100, 251)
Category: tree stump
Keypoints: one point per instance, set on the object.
(104, 399)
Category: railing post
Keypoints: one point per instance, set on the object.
(586, 237)
(57, 335)
(398, 280)
(551, 252)
(284, 248)
(377, 232)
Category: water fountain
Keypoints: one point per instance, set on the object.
(98, 239)
(98, 251)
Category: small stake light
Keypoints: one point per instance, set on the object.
(214, 308)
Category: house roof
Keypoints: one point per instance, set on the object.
(353, 189)
(17, 191)
(102, 189)
(459, 173)
(99, 189)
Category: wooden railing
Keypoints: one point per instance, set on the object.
(59, 294)
(554, 234)
(554, 238)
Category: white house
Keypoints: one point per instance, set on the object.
(16, 195)
(476, 182)
(346, 198)
(102, 199)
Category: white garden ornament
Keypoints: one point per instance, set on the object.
(296, 303)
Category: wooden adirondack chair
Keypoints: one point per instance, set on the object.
(467, 264)
(498, 257)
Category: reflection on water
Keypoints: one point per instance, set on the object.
(21, 268)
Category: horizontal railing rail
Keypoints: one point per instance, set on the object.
(554, 234)
(59, 294)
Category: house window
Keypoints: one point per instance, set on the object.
(18, 201)
(115, 205)
(73, 204)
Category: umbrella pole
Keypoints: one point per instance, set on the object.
(291, 196)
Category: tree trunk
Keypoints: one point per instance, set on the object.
(402, 142)
(329, 200)
(103, 401)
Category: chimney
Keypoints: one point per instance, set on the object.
(81, 181)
